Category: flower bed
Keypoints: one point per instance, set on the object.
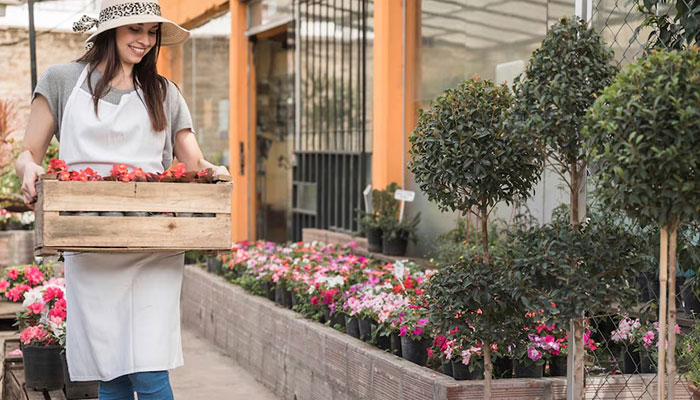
(322, 282)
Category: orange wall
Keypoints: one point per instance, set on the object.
(387, 129)
(190, 14)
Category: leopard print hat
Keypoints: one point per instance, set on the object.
(114, 13)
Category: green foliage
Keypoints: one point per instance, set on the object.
(689, 356)
(675, 23)
(643, 134)
(456, 292)
(384, 205)
(454, 245)
(392, 228)
(587, 271)
(560, 83)
(463, 158)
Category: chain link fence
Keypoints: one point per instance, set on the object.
(624, 362)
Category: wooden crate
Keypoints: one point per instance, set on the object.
(55, 231)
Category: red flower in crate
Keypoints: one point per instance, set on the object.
(64, 176)
(56, 166)
(121, 172)
(180, 170)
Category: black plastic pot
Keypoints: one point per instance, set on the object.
(631, 362)
(394, 247)
(395, 343)
(384, 342)
(283, 297)
(527, 369)
(352, 326)
(214, 265)
(461, 372)
(447, 368)
(648, 366)
(365, 326)
(77, 390)
(503, 367)
(374, 240)
(42, 367)
(269, 290)
(415, 351)
(691, 303)
(557, 366)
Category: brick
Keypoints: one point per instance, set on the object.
(386, 380)
(335, 360)
(418, 386)
(359, 373)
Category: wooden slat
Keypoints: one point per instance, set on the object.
(136, 196)
(136, 232)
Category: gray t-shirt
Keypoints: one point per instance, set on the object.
(57, 83)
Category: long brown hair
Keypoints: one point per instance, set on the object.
(145, 75)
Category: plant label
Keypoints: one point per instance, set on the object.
(405, 195)
(367, 195)
(399, 270)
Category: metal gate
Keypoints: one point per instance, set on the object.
(331, 159)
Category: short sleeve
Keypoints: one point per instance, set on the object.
(49, 86)
(179, 118)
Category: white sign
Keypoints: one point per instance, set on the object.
(399, 270)
(405, 195)
(367, 194)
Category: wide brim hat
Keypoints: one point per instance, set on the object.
(116, 13)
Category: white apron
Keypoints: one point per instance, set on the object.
(123, 308)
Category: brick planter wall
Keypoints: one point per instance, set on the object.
(301, 359)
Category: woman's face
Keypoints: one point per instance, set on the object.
(135, 41)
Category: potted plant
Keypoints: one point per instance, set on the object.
(396, 234)
(632, 145)
(383, 205)
(551, 97)
(689, 356)
(42, 335)
(414, 330)
(465, 160)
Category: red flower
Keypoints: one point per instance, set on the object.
(56, 166)
(314, 300)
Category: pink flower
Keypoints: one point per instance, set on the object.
(33, 275)
(4, 284)
(36, 308)
(33, 333)
(51, 293)
(12, 274)
(534, 354)
(417, 332)
(402, 330)
(422, 322)
(548, 339)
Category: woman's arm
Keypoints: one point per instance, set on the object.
(187, 151)
(36, 141)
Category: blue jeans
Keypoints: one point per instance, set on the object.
(152, 385)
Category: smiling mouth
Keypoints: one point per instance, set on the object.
(138, 50)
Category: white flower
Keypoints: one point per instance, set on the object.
(32, 296)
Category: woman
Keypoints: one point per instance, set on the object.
(111, 107)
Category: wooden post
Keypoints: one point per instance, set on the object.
(580, 352)
(663, 279)
(488, 371)
(671, 353)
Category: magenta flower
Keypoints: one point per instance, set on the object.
(534, 354)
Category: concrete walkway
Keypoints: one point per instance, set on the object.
(211, 375)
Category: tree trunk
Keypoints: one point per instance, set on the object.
(469, 226)
(663, 273)
(671, 353)
(580, 352)
(573, 199)
(488, 371)
(485, 235)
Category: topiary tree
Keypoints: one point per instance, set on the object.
(644, 135)
(560, 83)
(465, 161)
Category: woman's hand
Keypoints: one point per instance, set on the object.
(221, 170)
(32, 172)
(40, 129)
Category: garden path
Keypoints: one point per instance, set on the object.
(208, 374)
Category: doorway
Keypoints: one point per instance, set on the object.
(273, 54)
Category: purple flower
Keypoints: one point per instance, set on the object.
(534, 354)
